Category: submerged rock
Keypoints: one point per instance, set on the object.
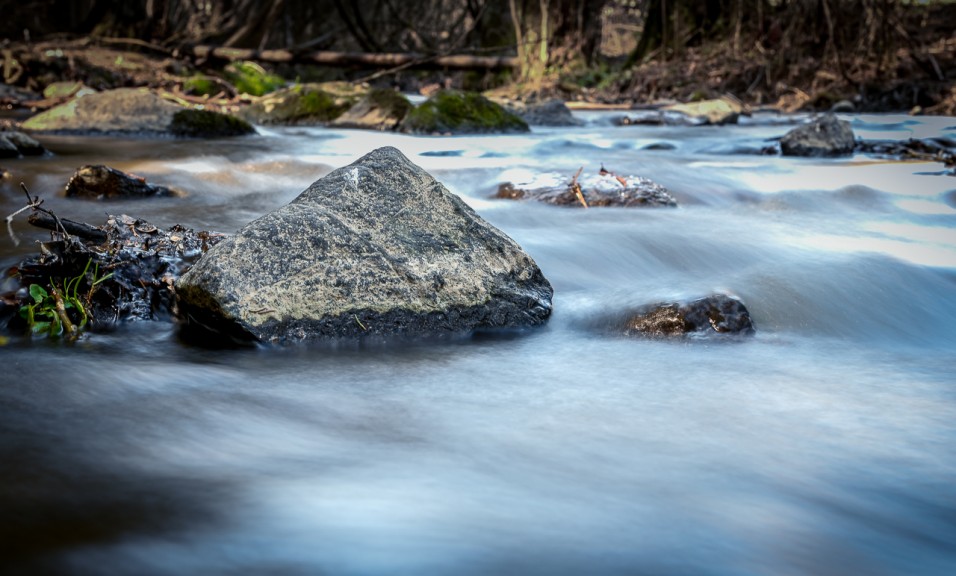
(715, 314)
(376, 248)
(726, 110)
(378, 109)
(100, 182)
(15, 144)
(135, 111)
(602, 189)
(455, 112)
(302, 104)
(824, 136)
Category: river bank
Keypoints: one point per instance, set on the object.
(919, 82)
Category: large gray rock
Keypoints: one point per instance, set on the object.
(376, 248)
(136, 111)
(824, 136)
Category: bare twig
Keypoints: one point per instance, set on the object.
(35, 203)
(576, 188)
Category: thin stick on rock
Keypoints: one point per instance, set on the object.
(576, 188)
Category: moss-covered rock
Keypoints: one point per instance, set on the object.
(301, 104)
(455, 112)
(201, 85)
(251, 78)
(207, 124)
(378, 109)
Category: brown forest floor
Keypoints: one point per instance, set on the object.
(921, 79)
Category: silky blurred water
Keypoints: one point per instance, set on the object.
(823, 445)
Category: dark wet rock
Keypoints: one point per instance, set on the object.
(8, 149)
(548, 113)
(133, 111)
(374, 249)
(950, 198)
(455, 112)
(660, 146)
(823, 136)
(378, 109)
(100, 182)
(597, 190)
(123, 270)
(302, 104)
(16, 144)
(191, 123)
(715, 314)
(931, 149)
(843, 106)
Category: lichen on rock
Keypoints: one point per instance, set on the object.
(133, 111)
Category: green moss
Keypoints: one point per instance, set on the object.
(200, 85)
(318, 105)
(250, 78)
(207, 124)
(300, 104)
(462, 113)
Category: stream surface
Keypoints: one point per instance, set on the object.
(825, 444)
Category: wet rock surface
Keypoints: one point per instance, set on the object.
(378, 248)
(825, 135)
(134, 111)
(593, 190)
(98, 182)
(709, 316)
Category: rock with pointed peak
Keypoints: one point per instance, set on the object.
(378, 248)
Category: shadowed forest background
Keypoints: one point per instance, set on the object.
(796, 54)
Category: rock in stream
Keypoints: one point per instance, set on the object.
(376, 248)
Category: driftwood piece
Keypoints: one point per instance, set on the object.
(354, 59)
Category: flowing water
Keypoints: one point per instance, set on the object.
(823, 445)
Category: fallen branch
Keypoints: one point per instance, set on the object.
(353, 59)
(576, 188)
(79, 229)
